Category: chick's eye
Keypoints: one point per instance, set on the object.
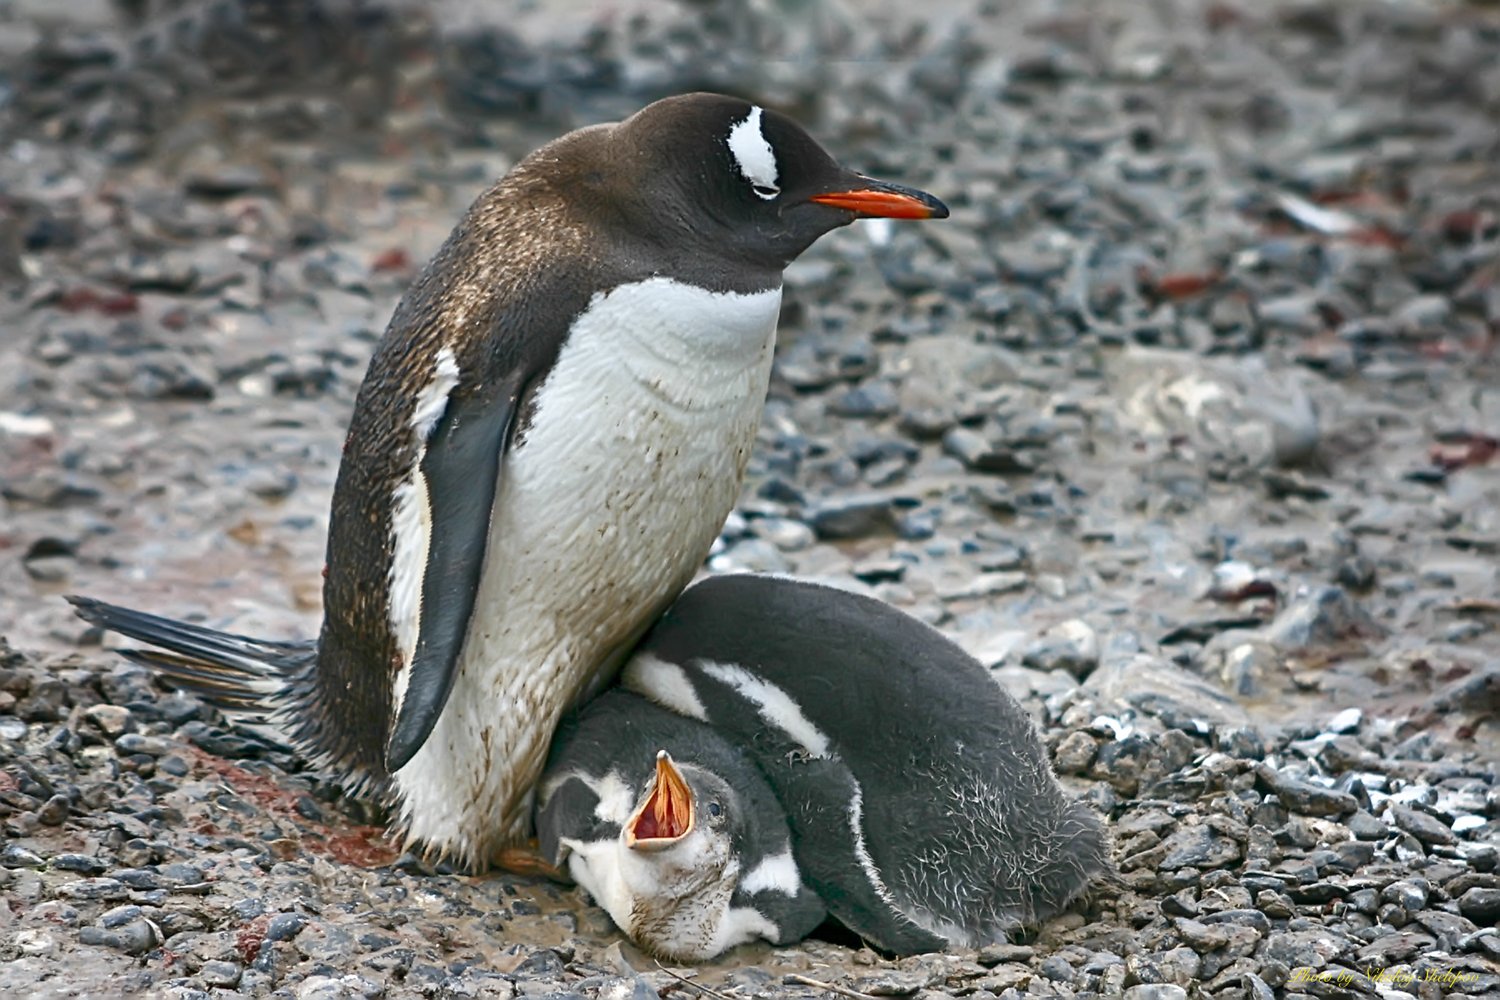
(715, 810)
(766, 191)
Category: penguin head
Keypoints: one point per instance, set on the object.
(744, 182)
(681, 836)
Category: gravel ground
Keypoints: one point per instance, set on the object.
(1186, 422)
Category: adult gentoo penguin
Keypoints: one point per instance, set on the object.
(922, 806)
(672, 829)
(548, 439)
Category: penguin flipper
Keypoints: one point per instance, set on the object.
(822, 801)
(795, 917)
(461, 465)
(566, 812)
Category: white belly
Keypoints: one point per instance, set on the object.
(604, 512)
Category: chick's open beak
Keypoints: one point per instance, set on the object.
(881, 199)
(667, 814)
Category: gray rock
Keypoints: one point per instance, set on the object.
(1366, 827)
(1071, 645)
(753, 555)
(1075, 754)
(54, 812)
(151, 746)
(1237, 410)
(1450, 930)
(94, 890)
(985, 585)
(1199, 847)
(1352, 855)
(111, 720)
(1156, 991)
(1428, 829)
(119, 916)
(995, 954)
(1304, 797)
(1394, 948)
(1410, 894)
(784, 533)
(83, 864)
(1148, 684)
(979, 454)
(220, 973)
(1253, 920)
(1178, 966)
(1248, 667)
(941, 375)
(916, 525)
(322, 987)
(852, 517)
(1056, 968)
(1121, 762)
(1312, 948)
(871, 400)
(16, 856)
(1346, 721)
(1481, 904)
(1323, 616)
(134, 938)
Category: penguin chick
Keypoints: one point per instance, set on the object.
(922, 806)
(687, 850)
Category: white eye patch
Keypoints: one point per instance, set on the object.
(754, 156)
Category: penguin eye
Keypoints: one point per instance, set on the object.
(766, 191)
(715, 810)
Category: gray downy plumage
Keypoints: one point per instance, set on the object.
(922, 804)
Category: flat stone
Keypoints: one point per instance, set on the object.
(979, 454)
(1305, 797)
(872, 400)
(111, 720)
(134, 938)
(995, 954)
(1428, 829)
(1394, 948)
(851, 517)
(1156, 991)
(1366, 827)
(83, 864)
(1199, 847)
(1481, 905)
(220, 973)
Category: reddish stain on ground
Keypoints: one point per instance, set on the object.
(346, 843)
(250, 938)
(1184, 284)
(394, 259)
(361, 846)
(1467, 450)
(108, 303)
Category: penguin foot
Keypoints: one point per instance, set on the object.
(528, 861)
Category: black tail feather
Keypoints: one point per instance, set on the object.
(243, 676)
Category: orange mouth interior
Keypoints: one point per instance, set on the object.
(667, 813)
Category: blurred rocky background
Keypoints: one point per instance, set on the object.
(1186, 423)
